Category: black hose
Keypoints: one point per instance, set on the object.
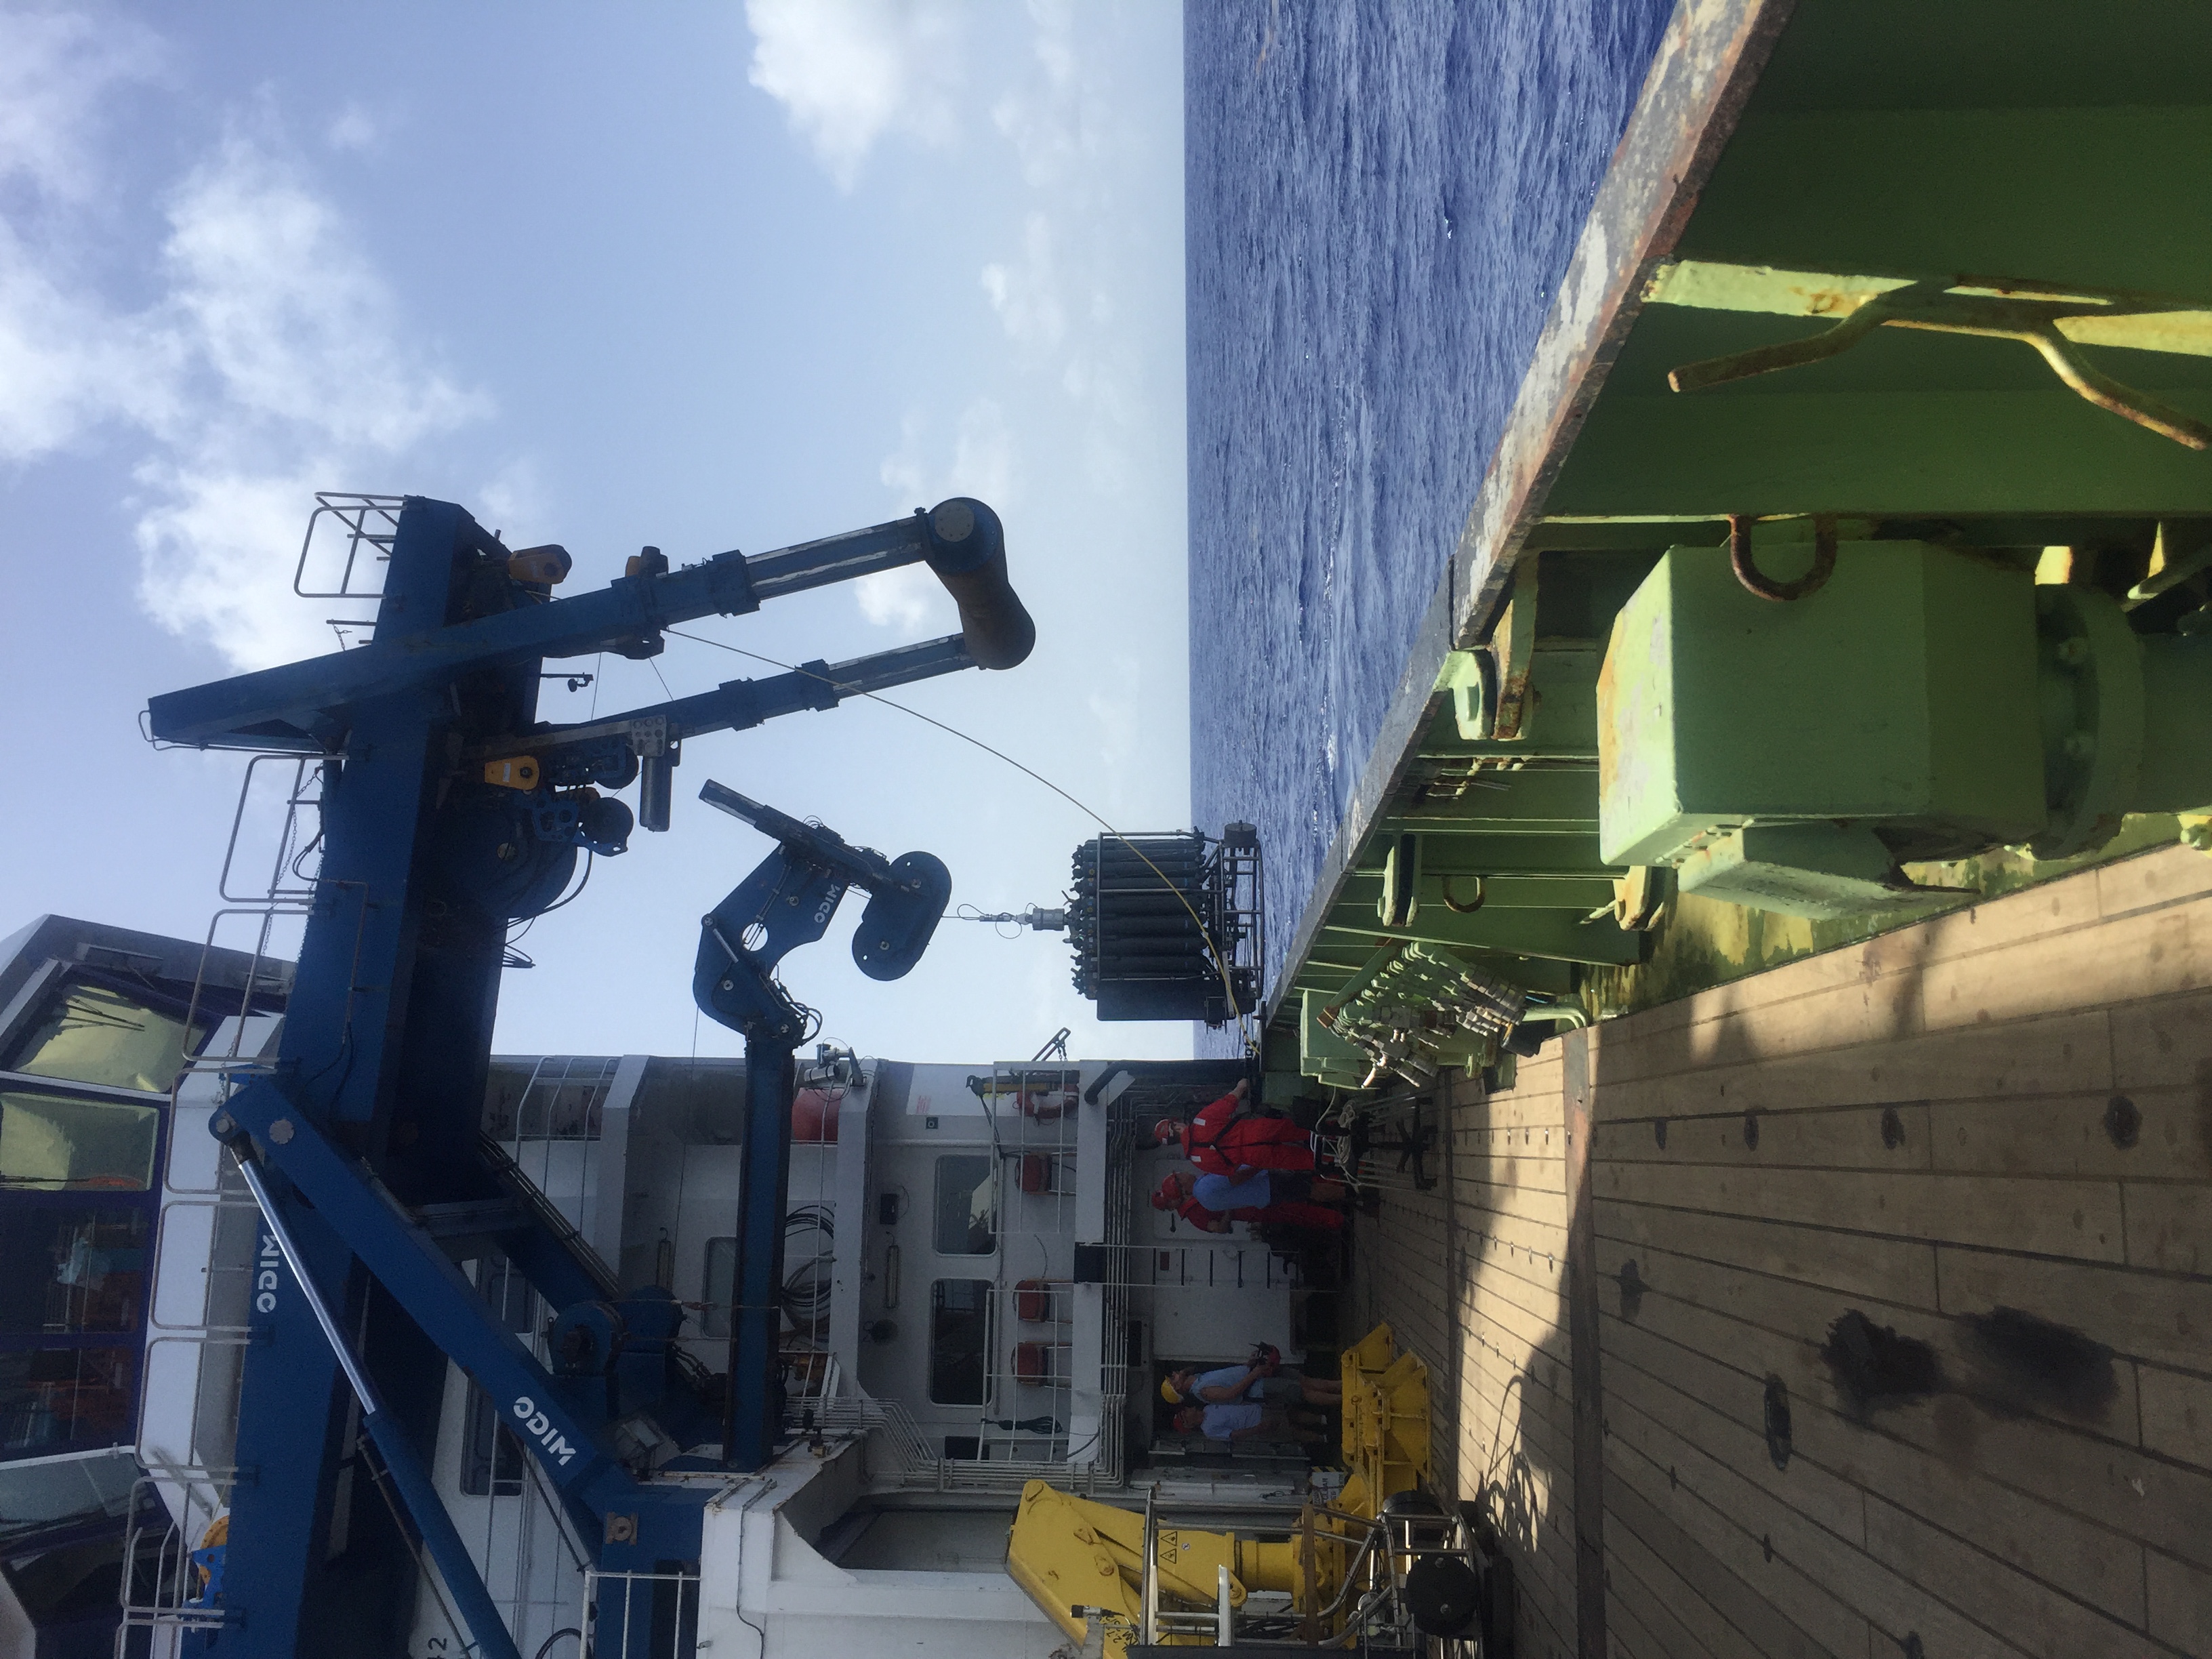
(546, 1646)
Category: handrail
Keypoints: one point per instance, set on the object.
(525, 1192)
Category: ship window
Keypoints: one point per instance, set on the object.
(967, 1200)
(76, 1492)
(51, 1144)
(720, 1287)
(59, 1399)
(566, 1098)
(957, 1333)
(76, 1268)
(491, 1459)
(88, 1033)
(491, 1452)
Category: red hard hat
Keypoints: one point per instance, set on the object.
(1169, 1195)
(1166, 1129)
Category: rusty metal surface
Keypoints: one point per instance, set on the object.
(1695, 91)
(1994, 308)
(1746, 565)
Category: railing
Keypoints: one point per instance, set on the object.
(1033, 1109)
(527, 1193)
(164, 1588)
(185, 1358)
(280, 904)
(616, 1605)
(826, 1404)
(367, 525)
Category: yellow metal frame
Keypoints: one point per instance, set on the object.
(1070, 1552)
(1386, 1422)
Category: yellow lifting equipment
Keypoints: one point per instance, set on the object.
(1076, 1557)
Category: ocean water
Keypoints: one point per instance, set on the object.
(1381, 199)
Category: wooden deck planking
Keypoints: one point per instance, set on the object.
(1748, 1533)
(2138, 1313)
(1499, 1230)
(2094, 1565)
(1847, 1264)
(2037, 1619)
(1718, 1599)
(2070, 1054)
(2007, 1107)
(1785, 1309)
(2064, 1218)
(1650, 1577)
(2180, 1598)
(1643, 1623)
(2176, 1413)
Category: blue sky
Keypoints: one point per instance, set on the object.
(701, 277)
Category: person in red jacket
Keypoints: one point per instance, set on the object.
(1176, 1193)
(1221, 1142)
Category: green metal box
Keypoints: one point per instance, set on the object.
(1321, 1053)
(1900, 693)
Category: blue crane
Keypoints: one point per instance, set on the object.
(449, 812)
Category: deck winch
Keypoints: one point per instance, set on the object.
(1920, 703)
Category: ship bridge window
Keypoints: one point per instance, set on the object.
(61, 1399)
(566, 1098)
(958, 1333)
(967, 1205)
(78, 1268)
(491, 1452)
(51, 1144)
(89, 1032)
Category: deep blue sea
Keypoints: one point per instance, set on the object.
(1381, 199)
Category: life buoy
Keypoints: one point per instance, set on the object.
(814, 1117)
(1045, 1105)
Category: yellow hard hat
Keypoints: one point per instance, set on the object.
(1168, 1391)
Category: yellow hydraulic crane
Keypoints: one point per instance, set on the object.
(1349, 1563)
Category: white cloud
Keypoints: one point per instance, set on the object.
(982, 462)
(1026, 296)
(1048, 120)
(1057, 302)
(273, 362)
(354, 129)
(63, 363)
(216, 548)
(906, 600)
(849, 71)
(514, 504)
(292, 374)
(983, 455)
(910, 598)
(57, 71)
(1112, 704)
(297, 326)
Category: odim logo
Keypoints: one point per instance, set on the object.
(540, 1428)
(267, 1275)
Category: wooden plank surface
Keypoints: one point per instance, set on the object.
(1989, 1139)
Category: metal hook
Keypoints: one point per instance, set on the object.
(1748, 572)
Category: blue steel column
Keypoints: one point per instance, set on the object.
(400, 1461)
(341, 1018)
(755, 1418)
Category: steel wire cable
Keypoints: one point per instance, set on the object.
(1220, 962)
